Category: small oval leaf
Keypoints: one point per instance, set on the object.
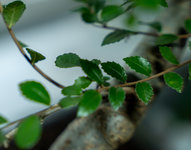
(89, 103)
(68, 60)
(174, 80)
(115, 70)
(35, 91)
(92, 70)
(115, 36)
(29, 132)
(166, 39)
(12, 12)
(71, 90)
(69, 102)
(139, 64)
(144, 91)
(110, 12)
(35, 56)
(167, 54)
(116, 97)
(82, 82)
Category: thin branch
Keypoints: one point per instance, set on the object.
(149, 78)
(27, 58)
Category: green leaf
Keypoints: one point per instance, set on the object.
(116, 97)
(89, 17)
(35, 56)
(12, 12)
(35, 91)
(89, 103)
(82, 82)
(29, 132)
(156, 25)
(71, 90)
(166, 39)
(2, 120)
(150, 3)
(139, 64)
(174, 80)
(189, 71)
(110, 12)
(115, 36)
(69, 101)
(167, 54)
(96, 61)
(144, 91)
(2, 138)
(68, 60)
(163, 3)
(22, 44)
(92, 70)
(115, 70)
(189, 44)
(187, 25)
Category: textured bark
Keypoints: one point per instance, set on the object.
(106, 129)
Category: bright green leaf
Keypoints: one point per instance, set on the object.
(115, 36)
(89, 103)
(139, 64)
(69, 102)
(12, 12)
(2, 120)
(166, 39)
(167, 54)
(115, 70)
(35, 91)
(71, 90)
(68, 60)
(189, 71)
(29, 132)
(35, 56)
(144, 91)
(110, 12)
(187, 25)
(92, 70)
(174, 80)
(116, 97)
(82, 82)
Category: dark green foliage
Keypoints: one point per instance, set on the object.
(96, 61)
(139, 64)
(167, 54)
(68, 102)
(187, 25)
(156, 25)
(115, 70)
(115, 36)
(92, 70)
(12, 12)
(35, 56)
(166, 39)
(116, 97)
(151, 3)
(35, 91)
(67, 60)
(110, 12)
(144, 91)
(88, 16)
(89, 103)
(2, 120)
(29, 132)
(174, 80)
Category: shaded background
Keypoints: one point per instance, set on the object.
(51, 28)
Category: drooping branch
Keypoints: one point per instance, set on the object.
(26, 57)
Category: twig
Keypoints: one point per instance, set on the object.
(149, 78)
(27, 58)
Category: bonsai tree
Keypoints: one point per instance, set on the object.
(108, 115)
